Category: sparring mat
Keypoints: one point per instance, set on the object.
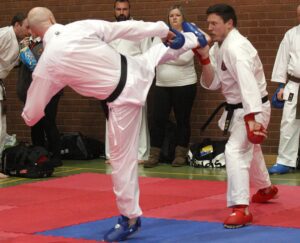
(81, 208)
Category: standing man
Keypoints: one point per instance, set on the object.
(132, 48)
(45, 132)
(233, 65)
(78, 55)
(287, 70)
(9, 57)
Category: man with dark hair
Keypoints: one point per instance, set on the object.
(232, 64)
(9, 57)
(132, 48)
(78, 55)
(286, 72)
(122, 10)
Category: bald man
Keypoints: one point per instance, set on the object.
(77, 55)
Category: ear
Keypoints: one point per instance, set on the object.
(52, 20)
(230, 23)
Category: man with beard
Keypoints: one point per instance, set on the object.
(131, 48)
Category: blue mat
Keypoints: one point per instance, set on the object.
(167, 230)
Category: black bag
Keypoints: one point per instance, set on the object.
(207, 154)
(75, 146)
(26, 161)
(167, 152)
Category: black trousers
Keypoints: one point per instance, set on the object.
(181, 100)
(45, 133)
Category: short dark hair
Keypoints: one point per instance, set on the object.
(225, 11)
(122, 1)
(18, 18)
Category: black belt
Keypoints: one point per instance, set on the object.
(118, 90)
(3, 89)
(230, 109)
(296, 80)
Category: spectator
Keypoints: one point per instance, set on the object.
(175, 89)
(287, 69)
(9, 57)
(132, 48)
(45, 132)
(232, 64)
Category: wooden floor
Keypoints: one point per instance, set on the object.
(163, 170)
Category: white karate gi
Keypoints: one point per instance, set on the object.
(9, 57)
(288, 61)
(134, 48)
(77, 55)
(239, 74)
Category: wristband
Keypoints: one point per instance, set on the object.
(249, 117)
(199, 57)
(205, 61)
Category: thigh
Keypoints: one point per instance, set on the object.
(182, 102)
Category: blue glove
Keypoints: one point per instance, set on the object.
(188, 27)
(275, 102)
(178, 41)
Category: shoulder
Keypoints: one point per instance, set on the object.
(6, 32)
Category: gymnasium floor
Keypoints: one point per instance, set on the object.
(180, 205)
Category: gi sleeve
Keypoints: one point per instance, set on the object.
(130, 30)
(216, 83)
(39, 94)
(280, 68)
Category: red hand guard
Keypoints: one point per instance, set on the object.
(253, 138)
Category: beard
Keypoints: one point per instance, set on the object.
(122, 17)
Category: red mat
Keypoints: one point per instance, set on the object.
(86, 197)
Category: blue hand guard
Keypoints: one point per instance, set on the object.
(275, 102)
(188, 27)
(178, 41)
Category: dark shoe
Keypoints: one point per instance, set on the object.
(180, 156)
(56, 162)
(153, 158)
(122, 230)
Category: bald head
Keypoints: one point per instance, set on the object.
(39, 20)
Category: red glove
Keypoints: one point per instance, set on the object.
(254, 138)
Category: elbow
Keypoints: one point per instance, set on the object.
(28, 121)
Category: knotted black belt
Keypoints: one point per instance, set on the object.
(296, 80)
(118, 90)
(230, 109)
